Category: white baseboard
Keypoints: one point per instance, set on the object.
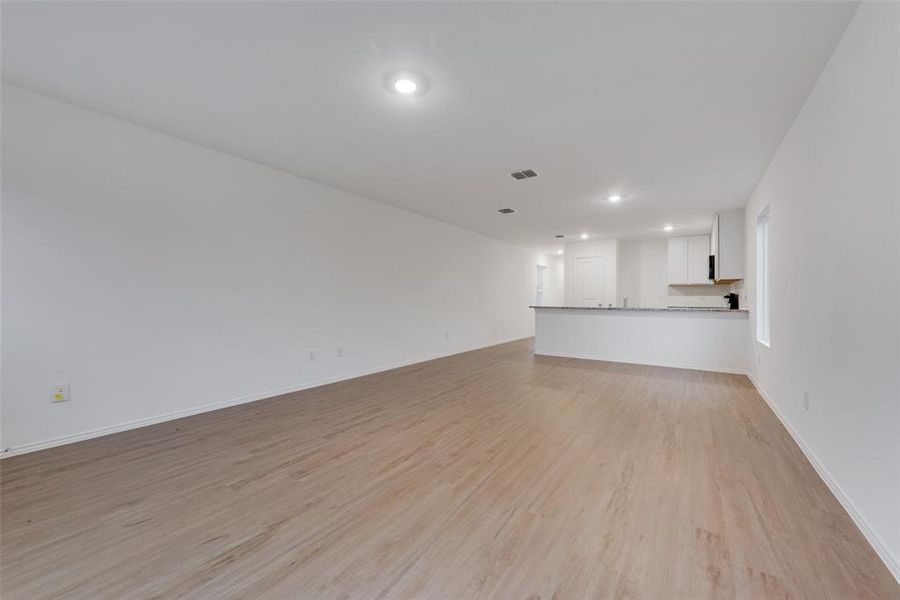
(672, 365)
(884, 554)
(171, 416)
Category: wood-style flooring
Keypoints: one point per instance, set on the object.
(490, 474)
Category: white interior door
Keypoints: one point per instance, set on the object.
(589, 281)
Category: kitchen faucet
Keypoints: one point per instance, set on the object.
(625, 302)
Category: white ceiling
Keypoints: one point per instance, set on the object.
(679, 106)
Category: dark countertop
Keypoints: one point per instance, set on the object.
(638, 309)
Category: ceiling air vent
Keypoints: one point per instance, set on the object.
(506, 211)
(523, 174)
(559, 235)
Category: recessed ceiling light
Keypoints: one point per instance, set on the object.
(559, 251)
(406, 82)
(668, 228)
(584, 236)
(614, 197)
(405, 86)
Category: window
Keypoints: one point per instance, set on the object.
(763, 290)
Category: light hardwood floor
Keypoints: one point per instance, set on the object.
(488, 474)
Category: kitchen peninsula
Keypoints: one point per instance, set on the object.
(710, 339)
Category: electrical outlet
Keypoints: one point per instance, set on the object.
(805, 400)
(312, 357)
(447, 336)
(60, 393)
(759, 359)
(340, 352)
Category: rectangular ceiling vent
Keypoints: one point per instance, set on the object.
(526, 174)
(506, 211)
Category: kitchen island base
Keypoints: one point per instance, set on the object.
(709, 340)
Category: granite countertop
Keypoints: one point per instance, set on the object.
(638, 309)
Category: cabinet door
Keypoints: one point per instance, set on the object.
(730, 258)
(698, 259)
(714, 244)
(678, 261)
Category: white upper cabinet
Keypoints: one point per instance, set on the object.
(727, 245)
(689, 260)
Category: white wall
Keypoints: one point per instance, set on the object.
(834, 191)
(159, 277)
(654, 273)
(644, 275)
(608, 250)
(629, 271)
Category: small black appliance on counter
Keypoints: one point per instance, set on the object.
(732, 301)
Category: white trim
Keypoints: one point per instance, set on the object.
(884, 554)
(101, 431)
(647, 363)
